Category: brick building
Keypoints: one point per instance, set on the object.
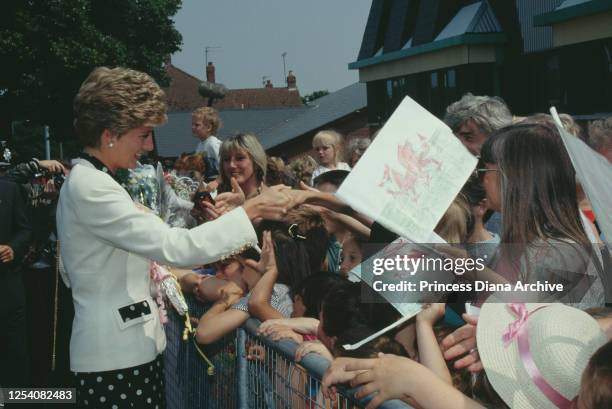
(283, 124)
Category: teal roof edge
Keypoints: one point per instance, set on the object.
(568, 13)
(464, 39)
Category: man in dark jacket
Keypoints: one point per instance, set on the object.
(15, 233)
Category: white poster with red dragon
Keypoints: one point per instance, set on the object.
(410, 174)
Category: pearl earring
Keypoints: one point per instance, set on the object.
(110, 145)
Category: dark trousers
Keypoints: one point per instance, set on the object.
(14, 361)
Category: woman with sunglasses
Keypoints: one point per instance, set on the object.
(529, 178)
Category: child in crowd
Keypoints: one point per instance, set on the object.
(338, 225)
(453, 226)
(307, 299)
(328, 146)
(290, 252)
(480, 242)
(277, 173)
(205, 123)
(352, 254)
(211, 287)
(302, 169)
(344, 309)
(192, 166)
(232, 309)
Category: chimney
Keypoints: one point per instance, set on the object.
(210, 72)
(269, 84)
(291, 81)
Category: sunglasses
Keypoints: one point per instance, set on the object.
(480, 172)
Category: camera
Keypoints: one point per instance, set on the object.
(44, 176)
(58, 180)
(203, 196)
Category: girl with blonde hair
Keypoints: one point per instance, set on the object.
(328, 147)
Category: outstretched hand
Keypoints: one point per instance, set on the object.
(52, 166)
(335, 374)
(386, 377)
(462, 343)
(267, 261)
(271, 204)
(304, 186)
(227, 201)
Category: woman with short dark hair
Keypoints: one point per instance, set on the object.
(108, 242)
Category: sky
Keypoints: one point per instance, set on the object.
(320, 38)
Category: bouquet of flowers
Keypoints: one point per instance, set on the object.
(143, 185)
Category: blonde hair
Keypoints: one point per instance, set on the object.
(329, 138)
(117, 99)
(249, 144)
(208, 116)
(453, 227)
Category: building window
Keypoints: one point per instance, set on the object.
(434, 80)
(450, 79)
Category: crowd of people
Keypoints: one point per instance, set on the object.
(264, 237)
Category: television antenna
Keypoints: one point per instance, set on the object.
(206, 51)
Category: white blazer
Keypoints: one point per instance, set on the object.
(106, 246)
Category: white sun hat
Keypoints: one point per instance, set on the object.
(534, 354)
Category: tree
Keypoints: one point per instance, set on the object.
(47, 48)
(311, 97)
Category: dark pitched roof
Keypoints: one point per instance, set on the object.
(439, 24)
(271, 126)
(182, 95)
(175, 136)
(474, 18)
(415, 24)
(324, 110)
(401, 25)
(374, 30)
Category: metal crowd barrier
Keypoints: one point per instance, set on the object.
(188, 385)
(269, 380)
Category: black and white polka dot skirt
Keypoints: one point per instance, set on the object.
(137, 387)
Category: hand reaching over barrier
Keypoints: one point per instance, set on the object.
(277, 332)
(462, 343)
(315, 347)
(393, 377)
(302, 325)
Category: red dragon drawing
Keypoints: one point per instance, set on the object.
(414, 168)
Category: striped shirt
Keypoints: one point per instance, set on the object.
(281, 301)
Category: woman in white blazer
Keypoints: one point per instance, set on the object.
(107, 243)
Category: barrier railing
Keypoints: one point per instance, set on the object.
(269, 379)
(188, 385)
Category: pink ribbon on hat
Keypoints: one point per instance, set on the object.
(518, 330)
